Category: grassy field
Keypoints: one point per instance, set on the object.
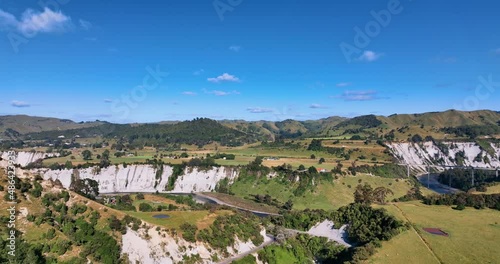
(474, 236)
(327, 195)
(202, 219)
(155, 201)
(369, 153)
(491, 190)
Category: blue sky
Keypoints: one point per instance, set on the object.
(242, 59)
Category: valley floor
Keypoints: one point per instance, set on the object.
(474, 235)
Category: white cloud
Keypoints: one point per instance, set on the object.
(16, 103)
(344, 84)
(33, 22)
(85, 24)
(370, 56)
(199, 72)
(226, 77)
(235, 48)
(259, 110)
(189, 93)
(317, 106)
(220, 93)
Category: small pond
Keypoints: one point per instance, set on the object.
(161, 216)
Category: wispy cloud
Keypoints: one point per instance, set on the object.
(16, 103)
(113, 50)
(359, 96)
(235, 48)
(225, 77)
(496, 51)
(344, 84)
(91, 39)
(34, 22)
(85, 24)
(220, 93)
(259, 110)
(199, 72)
(189, 93)
(370, 56)
(317, 106)
(108, 101)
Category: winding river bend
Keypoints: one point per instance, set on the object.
(431, 182)
(201, 198)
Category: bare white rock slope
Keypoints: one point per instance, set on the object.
(144, 178)
(24, 158)
(447, 153)
(158, 247)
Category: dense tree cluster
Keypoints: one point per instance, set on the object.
(462, 178)
(366, 121)
(388, 170)
(303, 249)
(366, 224)
(478, 201)
(221, 234)
(472, 131)
(199, 131)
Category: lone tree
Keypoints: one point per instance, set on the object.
(380, 193)
(363, 194)
(86, 154)
(288, 205)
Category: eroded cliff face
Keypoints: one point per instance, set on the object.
(151, 246)
(24, 158)
(144, 178)
(446, 153)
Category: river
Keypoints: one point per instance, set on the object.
(432, 183)
(199, 198)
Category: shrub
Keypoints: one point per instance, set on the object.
(145, 207)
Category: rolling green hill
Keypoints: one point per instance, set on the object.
(12, 126)
(439, 125)
(199, 131)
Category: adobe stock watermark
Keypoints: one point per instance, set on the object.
(17, 39)
(364, 36)
(482, 92)
(138, 94)
(12, 206)
(223, 6)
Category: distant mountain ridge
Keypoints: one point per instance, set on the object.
(393, 127)
(12, 126)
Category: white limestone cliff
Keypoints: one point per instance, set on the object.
(24, 158)
(429, 153)
(143, 178)
(151, 246)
